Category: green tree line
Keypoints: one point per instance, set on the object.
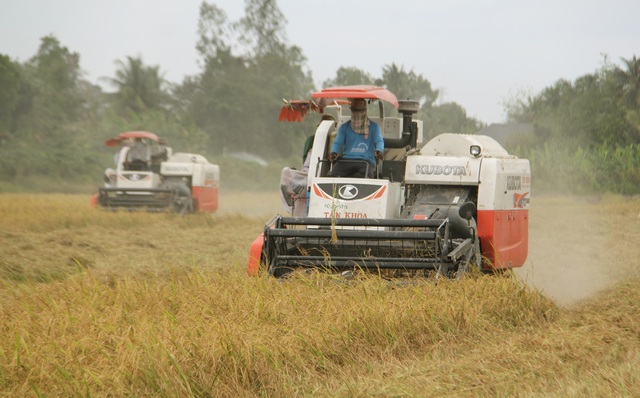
(53, 122)
(586, 133)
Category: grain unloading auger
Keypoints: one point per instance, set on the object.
(433, 209)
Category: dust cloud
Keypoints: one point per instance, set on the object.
(569, 249)
(257, 204)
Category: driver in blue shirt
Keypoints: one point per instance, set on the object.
(359, 139)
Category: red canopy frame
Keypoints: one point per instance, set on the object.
(296, 110)
(359, 91)
(131, 135)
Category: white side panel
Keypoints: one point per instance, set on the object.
(205, 175)
(121, 157)
(319, 147)
(177, 169)
(442, 170)
(183, 157)
(212, 172)
(395, 200)
(392, 128)
(505, 184)
(459, 145)
(487, 187)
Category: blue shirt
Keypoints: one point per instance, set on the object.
(355, 145)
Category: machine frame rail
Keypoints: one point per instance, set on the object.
(134, 198)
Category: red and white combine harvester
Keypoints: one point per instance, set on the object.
(149, 176)
(432, 209)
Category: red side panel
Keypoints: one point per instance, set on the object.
(255, 254)
(205, 198)
(94, 200)
(504, 236)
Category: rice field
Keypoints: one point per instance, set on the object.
(98, 303)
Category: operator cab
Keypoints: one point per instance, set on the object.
(396, 137)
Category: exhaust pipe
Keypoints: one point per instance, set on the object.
(409, 127)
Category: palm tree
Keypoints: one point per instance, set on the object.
(408, 85)
(138, 87)
(629, 82)
(349, 76)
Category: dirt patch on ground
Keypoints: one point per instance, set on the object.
(579, 246)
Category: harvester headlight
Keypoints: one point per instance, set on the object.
(475, 150)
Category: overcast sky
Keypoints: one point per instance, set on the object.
(478, 53)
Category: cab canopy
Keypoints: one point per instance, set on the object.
(129, 135)
(359, 91)
(296, 110)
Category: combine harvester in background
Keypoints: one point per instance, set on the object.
(432, 210)
(149, 176)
